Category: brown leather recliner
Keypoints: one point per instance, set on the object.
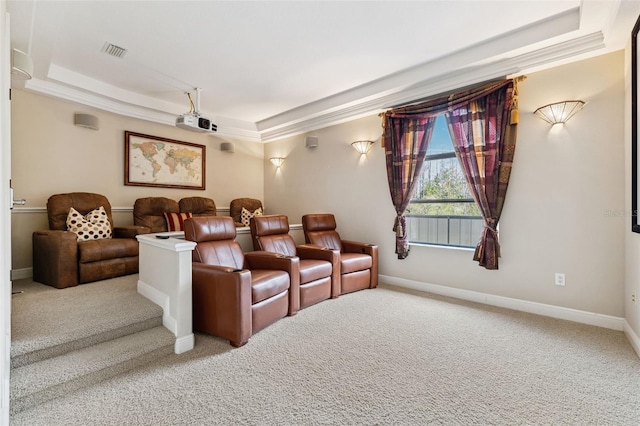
(150, 212)
(235, 208)
(358, 261)
(61, 261)
(198, 206)
(236, 294)
(319, 267)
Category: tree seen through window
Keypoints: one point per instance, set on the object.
(442, 210)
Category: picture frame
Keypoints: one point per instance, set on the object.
(635, 186)
(165, 163)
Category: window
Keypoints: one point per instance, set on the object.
(442, 210)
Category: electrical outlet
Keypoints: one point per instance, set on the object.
(633, 298)
(559, 279)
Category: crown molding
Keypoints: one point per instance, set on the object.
(226, 127)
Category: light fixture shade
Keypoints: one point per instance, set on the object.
(21, 65)
(559, 112)
(362, 146)
(277, 161)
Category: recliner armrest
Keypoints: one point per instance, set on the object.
(55, 258)
(269, 260)
(222, 301)
(130, 231)
(356, 247)
(371, 250)
(312, 251)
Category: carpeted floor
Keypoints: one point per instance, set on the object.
(378, 357)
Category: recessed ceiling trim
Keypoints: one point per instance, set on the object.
(309, 119)
(81, 81)
(556, 25)
(439, 84)
(60, 91)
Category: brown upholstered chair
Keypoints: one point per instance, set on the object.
(198, 206)
(150, 212)
(61, 261)
(319, 267)
(236, 294)
(358, 261)
(235, 208)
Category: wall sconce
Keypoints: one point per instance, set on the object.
(559, 112)
(277, 161)
(362, 146)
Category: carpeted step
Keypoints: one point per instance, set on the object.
(50, 378)
(47, 322)
(74, 342)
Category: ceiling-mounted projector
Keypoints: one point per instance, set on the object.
(195, 123)
(192, 120)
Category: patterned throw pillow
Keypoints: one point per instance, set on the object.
(92, 226)
(246, 215)
(175, 221)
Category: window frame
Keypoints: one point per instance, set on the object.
(434, 157)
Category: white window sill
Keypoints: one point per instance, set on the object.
(440, 246)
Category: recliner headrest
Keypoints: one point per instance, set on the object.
(318, 222)
(269, 225)
(209, 228)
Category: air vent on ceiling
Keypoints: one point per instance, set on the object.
(113, 50)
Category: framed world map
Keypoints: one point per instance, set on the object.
(161, 162)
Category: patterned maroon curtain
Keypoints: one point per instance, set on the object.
(406, 135)
(405, 140)
(484, 139)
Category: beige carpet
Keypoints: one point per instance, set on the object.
(45, 319)
(378, 357)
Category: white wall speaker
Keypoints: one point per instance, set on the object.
(227, 147)
(86, 120)
(311, 141)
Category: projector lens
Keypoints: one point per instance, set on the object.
(203, 123)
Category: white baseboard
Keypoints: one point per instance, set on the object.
(162, 300)
(633, 337)
(184, 344)
(19, 274)
(591, 318)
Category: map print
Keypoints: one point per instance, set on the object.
(159, 162)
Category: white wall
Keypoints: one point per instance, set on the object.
(51, 155)
(564, 210)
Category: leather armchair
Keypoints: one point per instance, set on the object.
(358, 261)
(319, 267)
(150, 212)
(235, 208)
(61, 261)
(198, 206)
(236, 294)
